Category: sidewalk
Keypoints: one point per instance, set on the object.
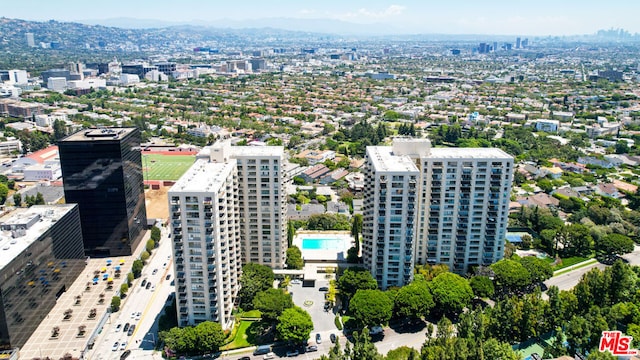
(575, 266)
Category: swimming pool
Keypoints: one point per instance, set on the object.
(322, 244)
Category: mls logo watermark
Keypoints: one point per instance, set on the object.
(617, 343)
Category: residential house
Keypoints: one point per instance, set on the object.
(607, 189)
(333, 176)
(539, 199)
(306, 210)
(314, 173)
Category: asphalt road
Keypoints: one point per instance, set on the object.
(569, 280)
(145, 301)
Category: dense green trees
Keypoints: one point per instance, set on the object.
(206, 337)
(371, 307)
(294, 325)
(482, 286)
(413, 301)
(255, 278)
(355, 279)
(271, 303)
(451, 293)
(612, 245)
(155, 234)
(115, 304)
(328, 222)
(294, 258)
(510, 276)
(136, 268)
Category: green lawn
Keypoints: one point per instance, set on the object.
(566, 262)
(241, 338)
(165, 167)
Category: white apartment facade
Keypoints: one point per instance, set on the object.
(389, 216)
(262, 200)
(461, 201)
(205, 227)
(464, 207)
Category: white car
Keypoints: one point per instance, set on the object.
(269, 356)
(115, 346)
(133, 315)
(118, 327)
(138, 315)
(153, 288)
(123, 345)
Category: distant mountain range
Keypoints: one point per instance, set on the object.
(131, 36)
(323, 26)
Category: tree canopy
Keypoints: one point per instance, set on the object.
(271, 303)
(255, 278)
(294, 325)
(413, 300)
(355, 279)
(451, 293)
(371, 307)
(510, 276)
(294, 258)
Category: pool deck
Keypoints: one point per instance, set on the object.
(319, 255)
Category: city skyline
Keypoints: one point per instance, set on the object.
(399, 17)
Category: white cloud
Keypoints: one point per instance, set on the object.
(367, 14)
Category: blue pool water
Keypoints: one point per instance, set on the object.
(323, 244)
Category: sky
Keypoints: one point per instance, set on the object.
(498, 17)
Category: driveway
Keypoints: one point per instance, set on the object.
(323, 321)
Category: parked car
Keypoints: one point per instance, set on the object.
(126, 327)
(262, 349)
(144, 282)
(155, 271)
(168, 277)
(245, 358)
(293, 353)
(133, 315)
(115, 346)
(153, 288)
(118, 327)
(148, 285)
(125, 354)
(375, 330)
(138, 315)
(269, 356)
(333, 338)
(312, 348)
(123, 345)
(318, 339)
(131, 329)
(324, 288)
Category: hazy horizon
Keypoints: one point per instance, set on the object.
(490, 17)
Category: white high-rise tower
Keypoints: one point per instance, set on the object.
(205, 229)
(462, 204)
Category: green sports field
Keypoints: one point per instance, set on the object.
(165, 167)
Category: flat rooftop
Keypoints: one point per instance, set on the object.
(384, 160)
(257, 150)
(107, 134)
(469, 153)
(29, 224)
(203, 176)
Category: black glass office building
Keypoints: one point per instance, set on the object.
(41, 255)
(102, 173)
